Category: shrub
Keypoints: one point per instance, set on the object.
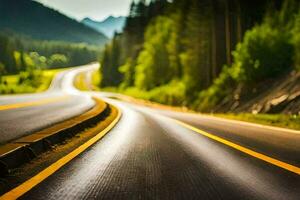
(58, 61)
(296, 41)
(222, 86)
(265, 53)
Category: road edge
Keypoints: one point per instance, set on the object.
(284, 165)
(23, 150)
(41, 176)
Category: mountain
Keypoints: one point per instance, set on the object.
(108, 26)
(39, 22)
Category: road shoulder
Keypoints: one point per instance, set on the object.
(56, 152)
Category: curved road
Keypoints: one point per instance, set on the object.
(149, 155)
(21, 115)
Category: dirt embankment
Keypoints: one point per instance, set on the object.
(280, 96)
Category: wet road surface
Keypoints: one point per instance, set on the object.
(148, 156)
(59, 103)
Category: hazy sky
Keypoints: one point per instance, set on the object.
(95, 9)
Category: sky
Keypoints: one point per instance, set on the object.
(94, 9)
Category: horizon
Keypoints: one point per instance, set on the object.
(103, 19)
(97, 10)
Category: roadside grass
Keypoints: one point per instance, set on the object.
(172, 94)
(279, 120)
(96, 80)
(80, 82)
(16, 84)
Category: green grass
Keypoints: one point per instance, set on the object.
(80, 82)
(279, 120)
(10, 84)
(171, 94)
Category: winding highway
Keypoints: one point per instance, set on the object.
(160, 154)
(21, 115)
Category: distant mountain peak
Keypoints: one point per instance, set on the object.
(87, 19)
(113, 18)
(108, 26)
(110, 18)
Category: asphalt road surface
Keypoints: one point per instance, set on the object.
(21, 115)
(148, 155)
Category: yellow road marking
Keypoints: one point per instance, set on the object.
(250, 152)
(29, 184)
(33, 103)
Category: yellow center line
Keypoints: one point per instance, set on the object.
(250, 152)
(33, 103)
(32, 182)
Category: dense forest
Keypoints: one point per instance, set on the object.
(34, 38)
(25, 63)
(19, 53)
(28, 17)
(203, 53)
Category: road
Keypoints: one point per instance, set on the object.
(149, 155)
(22, 115)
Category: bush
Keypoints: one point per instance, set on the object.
(296, 41)
(265, 53)
(58, 61)
(217, 92)
(2, 69)
(173, 93)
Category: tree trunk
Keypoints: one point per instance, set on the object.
(228, 32)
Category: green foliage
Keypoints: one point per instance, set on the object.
(58, 60)
(28, 58)
(296, 41)
(286, 16)
(27, 82)
(195, 59)
(128, 72)
(76, 54)
(187, 43)
(7, 48)
(173, 93)
(37, 62)
(22, 54)
(264, 53)
(217, 92)
(280, 120)
(267, 51)
(2, 69)
(121, 71)
(110, 62)
(42, 23)
(153, 66)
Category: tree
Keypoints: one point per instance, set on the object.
(196, 58)
(57, 60)
(110, 64)
(154, 60)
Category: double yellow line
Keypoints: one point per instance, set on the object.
(33, 103)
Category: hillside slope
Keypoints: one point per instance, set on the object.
(277, 96)
(108, 26)
(40, 22)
